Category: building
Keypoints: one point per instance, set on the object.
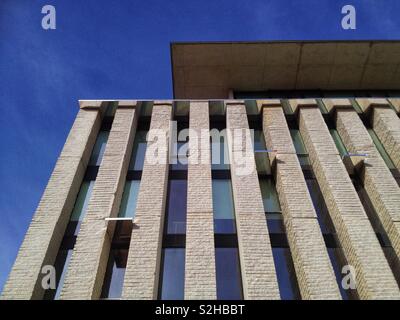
(316, 217)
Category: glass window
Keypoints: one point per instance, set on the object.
(338, 142)
(173, 274)
(114, 277)
(275, 223)
(220, 155)
(82, 201)
(287, 281)
(177, 196)
(269, 195)
(319, 206)
(99, 148)
(61, 265)
(229, 282)
(138, 151)
(129, 199)
(259, 141)
(300, 147)
(80, 207)
(224, 216)
(180, 156)
(381, 149)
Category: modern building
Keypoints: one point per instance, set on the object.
(316, 216)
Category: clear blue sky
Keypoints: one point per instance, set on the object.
(120, 49)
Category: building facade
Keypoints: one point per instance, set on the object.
(273, 174)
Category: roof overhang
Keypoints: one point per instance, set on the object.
(210, 70)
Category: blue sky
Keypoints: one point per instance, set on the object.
(120, 49)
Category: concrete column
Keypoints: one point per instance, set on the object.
(255, 252)
(386, 125)
(200, 279)
(143, 266)
(381, 187)
(395, 102)
(45, 233)
(374, 279)
(311, 261)
(85, 274)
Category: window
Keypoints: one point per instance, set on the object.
(300, 147)
(338, 142)
(138, 151)
(180, 156)
(220, 154)
(114, 277)
(80, 207)
(172, 274)
(287, 281)
(129, 199)
(261, 156)
(318, 201)
(271, 206)
(224, 216)
(229, 282)
(176, 215)
(64, 254)
(335, 255)
(61, 264)
(99, 148)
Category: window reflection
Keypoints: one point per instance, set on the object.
(138, 151)
(177, 196)
(219, 154)
(99, 148)
(224, 216)
(129, 199)
(300, 147)
(114, 277)
(285, 273)
(229, 283)
(173, 274)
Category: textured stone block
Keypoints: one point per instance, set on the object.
(256, 260)
(143, 266)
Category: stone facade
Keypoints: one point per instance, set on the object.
(200, 253)
(143, 267)
(255, 252)
(88, 264)
(311, 261)
(314, 273)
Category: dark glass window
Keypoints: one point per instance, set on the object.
(229, 283)
(224, 215)
(271, 206)
(177, 196)
(173, 274)
(99, 148)
(139, 151)
(114, 277)
(129, 199)
(300, 147)
(285, 273)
